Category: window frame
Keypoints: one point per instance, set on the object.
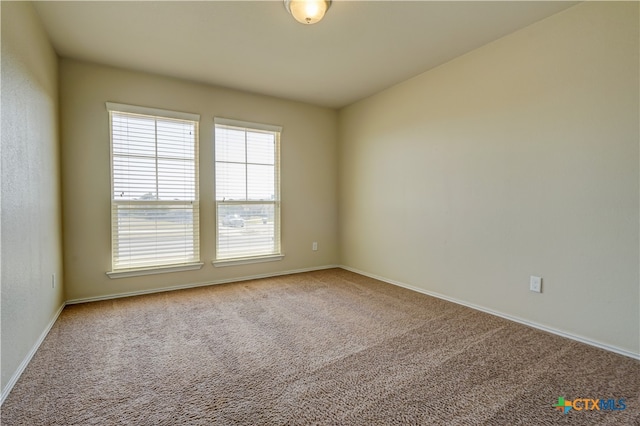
(276, 202)
(161, 267)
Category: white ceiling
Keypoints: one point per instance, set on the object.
(360, 48)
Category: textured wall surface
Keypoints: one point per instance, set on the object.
(31, 222)
(519, 158)
(308, 174)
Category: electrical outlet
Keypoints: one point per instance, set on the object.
(53, 280)
(535, 284)
(314, 246)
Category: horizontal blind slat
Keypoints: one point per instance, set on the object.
(155, 212)
(246, 172)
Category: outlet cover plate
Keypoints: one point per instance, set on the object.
(535, 284)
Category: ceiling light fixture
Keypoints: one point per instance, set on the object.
(307, 11)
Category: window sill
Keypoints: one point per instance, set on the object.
(125, 273)
(247, 260)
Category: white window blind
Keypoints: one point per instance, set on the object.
(154, 180)
(247, 173)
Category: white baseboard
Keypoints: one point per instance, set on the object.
(27, 359)
(551, 330)
(194, 285)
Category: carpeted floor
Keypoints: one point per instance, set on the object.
(326, 347)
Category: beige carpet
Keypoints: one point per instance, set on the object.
(328, 347)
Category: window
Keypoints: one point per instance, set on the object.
(154, 196)
(247, 173)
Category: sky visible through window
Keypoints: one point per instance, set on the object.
(153, 159)
(155, 209)
(246, 191)
(245, 165)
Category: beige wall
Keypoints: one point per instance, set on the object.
(309, 171)
(517, 159)
(30, 196)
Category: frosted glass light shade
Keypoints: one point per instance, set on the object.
(307, 11)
